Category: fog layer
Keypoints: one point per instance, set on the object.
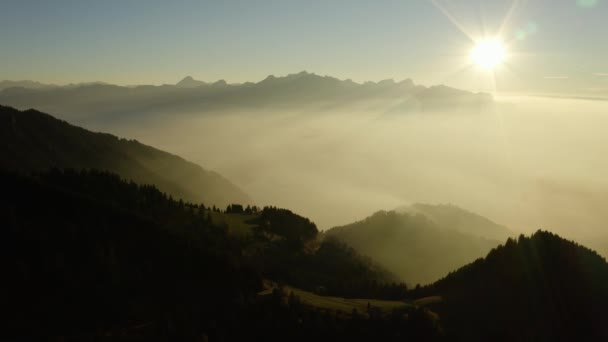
(527, 162)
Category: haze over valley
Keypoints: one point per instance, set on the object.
(339, 155)
(303, 171)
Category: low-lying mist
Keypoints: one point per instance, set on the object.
(526, 162)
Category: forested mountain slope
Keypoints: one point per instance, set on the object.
(537, 288)
(414, 246)
(31, 141)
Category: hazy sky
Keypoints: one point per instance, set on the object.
(552, 44)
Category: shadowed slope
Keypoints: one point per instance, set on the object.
(541, 288)
(32, 141)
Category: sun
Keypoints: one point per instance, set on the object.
(488, 54)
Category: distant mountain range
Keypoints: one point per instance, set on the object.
(26, 84)
(31, 141)
(189, 95)
(34, 85)
(189, 82)
(412, 242)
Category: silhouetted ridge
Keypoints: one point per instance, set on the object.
(33, 141)
(541, 288)
(189, 82)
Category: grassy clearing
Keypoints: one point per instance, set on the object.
(428, 300)
(237, 223)
(347, 305)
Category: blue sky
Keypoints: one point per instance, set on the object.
(553, 44)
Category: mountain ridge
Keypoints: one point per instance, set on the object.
(301, 90)
(189, 82)
(188, 79)
(33, 141)
(456, 218)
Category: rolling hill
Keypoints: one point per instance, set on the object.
(458, 219)
(419, 247)
(32, 141)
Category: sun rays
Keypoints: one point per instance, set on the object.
(489, 50)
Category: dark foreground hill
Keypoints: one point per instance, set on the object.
(31, 141)
(87, 256)
(79, 264)
(537, 288)
(419, 247)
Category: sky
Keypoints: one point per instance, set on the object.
(551, 45)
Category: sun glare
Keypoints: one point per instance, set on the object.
(488, 54)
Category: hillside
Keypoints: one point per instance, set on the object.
(98, 255)
(415, 247)
(458, 219)
(541, 288)
(31, 141)
(95, 255)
